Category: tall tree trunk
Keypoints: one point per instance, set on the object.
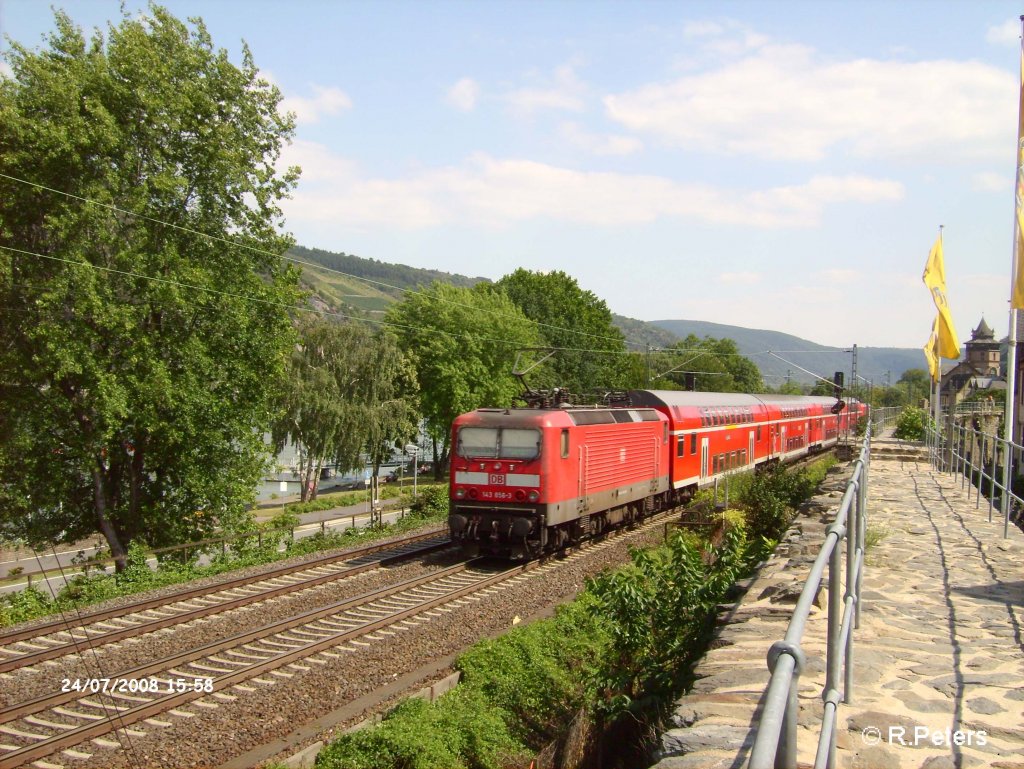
(314, 492)
(103, 523)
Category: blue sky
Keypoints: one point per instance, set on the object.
(780, 165)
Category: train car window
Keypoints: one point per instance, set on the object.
(693, 443)
(478, 442)
(681, 447)
(759, 432)
(565, 443)
(664, 433)
(516, 443)
(498, 443)
(714, 465)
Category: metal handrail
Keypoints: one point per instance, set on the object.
(883, 416)
(957, 453)
(775, 738)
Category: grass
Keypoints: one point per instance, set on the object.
(873, 535)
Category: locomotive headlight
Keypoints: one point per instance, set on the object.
(534, 496)
(460, 493)
(497, 466)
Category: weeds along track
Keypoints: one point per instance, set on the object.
(292, 656)
(74, 633)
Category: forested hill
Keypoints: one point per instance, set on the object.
(873, 363)
(366, 287)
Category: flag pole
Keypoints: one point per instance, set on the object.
(937, 412)
(1011, 353)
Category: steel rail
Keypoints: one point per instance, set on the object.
(163, 703)
(124, 717)
(149, 625)
(28, 707)
(57, 625)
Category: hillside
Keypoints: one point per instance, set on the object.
(366, 287)
(358, 286)
(873, 363)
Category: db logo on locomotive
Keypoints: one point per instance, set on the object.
(496, 479)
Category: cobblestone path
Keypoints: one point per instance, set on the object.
(939, 671)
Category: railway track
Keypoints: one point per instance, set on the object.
(60, 724)
(31, 646)
(43, 726)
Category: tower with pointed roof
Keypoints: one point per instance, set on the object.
(983, 350)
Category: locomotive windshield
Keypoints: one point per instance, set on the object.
(498, 443)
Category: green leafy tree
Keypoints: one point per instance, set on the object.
(462, 342)
(823, 387)
(918, 383)
(144, 312)
(348, 391)
(589, 347)
(718, 365)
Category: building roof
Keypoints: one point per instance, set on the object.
(983, 332)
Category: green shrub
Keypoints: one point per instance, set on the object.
(459, 731)
(432, 502)
(910, 424)
(659, 608)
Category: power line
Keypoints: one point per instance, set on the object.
(227, 241)
(290, 307)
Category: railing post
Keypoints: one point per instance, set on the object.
(992, 478)
(786, 757)
(981, 471)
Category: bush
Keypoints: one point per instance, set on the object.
(459, 731)
(910, 425)
(432, 502)
(659, 608)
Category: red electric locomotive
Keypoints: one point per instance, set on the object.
(530, 480)
(524, 481)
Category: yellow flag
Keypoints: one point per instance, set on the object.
(1017, 290)
(935, 278)
(931, 351)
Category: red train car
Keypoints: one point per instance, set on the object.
(530, 480)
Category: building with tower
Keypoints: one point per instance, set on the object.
(979, 375)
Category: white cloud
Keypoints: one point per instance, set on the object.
(606, 144)
(740, 278)
(990, 181)
(464, 94)
(492, 192)
(1007, 33)
(728, 37)
(325, 101)
(841, 276)
(5, 69)
(789, 102)
(562, 91)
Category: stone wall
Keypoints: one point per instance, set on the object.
(713, 724)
